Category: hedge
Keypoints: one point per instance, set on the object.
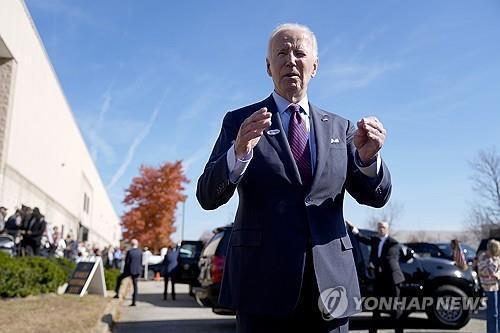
(110, 274)
(29, 276)
(37, 275)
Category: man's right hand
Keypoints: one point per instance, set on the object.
(250, 132)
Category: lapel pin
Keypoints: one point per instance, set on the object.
(273, 132)
(336, 140)
(324, 118)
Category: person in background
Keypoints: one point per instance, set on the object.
(170, 263)
(3, 218)
(110, 256)
(12, 227)
(58, 244)
(34, 230)
(117, 258)
(384, 261)
(458, 255)
(489, 274)
(133, 268)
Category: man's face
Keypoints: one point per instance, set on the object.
(291, 63)
(382, 229)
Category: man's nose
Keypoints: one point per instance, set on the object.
(290, 59)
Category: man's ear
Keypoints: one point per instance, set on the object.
(268, 66)
(315, 67)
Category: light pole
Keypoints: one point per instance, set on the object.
(183, 215)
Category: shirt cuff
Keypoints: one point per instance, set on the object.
(370, 170)
(237, 166)
(355, 230)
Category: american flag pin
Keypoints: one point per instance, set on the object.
(336, 140)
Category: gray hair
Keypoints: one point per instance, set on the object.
(293, 26)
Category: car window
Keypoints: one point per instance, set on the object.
(212, 245)
(468, 251)
(188, 251)
(446, 248)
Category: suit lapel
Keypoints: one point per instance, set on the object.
(322, 129)
(280, 142)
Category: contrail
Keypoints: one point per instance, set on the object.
(137, 141)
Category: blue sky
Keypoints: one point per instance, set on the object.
(150, 82)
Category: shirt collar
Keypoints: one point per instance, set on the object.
(282, 104)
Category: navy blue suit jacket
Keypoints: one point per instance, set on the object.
(277, 220)
(133, 262)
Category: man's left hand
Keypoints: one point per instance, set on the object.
(369, 138)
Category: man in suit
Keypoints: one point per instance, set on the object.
(170, 264)
(384, 261)
(291, 163)
(34, 229)
(133, 268)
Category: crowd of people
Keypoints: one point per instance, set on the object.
(32, 235)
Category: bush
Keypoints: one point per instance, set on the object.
(111, 274)
(29, 276)
(67, 265)
(34, 275)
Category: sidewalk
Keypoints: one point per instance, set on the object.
(184, 315)
(153, 314)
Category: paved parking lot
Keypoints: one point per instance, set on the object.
(184, 315)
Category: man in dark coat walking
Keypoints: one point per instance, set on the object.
(170, 264)
(384, 261)
(133, 268)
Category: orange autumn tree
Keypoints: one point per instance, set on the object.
(153, 197)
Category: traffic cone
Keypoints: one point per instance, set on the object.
(157, 276)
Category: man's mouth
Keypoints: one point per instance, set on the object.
(292, 75)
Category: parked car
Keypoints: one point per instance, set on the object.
(188, 269)
(211, 268)
(7, 244)
(424, 277)
(441, 250)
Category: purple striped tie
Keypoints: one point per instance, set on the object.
(298, 139)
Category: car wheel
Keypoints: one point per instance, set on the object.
(448, 316)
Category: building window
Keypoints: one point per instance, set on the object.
(86, 203)
(83, 233)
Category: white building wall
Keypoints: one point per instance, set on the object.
(47, 163)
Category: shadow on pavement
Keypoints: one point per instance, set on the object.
(178, 326)
(364, 322)
(181, 301)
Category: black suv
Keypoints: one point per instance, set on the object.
(187, 267)
(425, 277)
(441, 250)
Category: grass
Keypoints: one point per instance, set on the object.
(51, 313)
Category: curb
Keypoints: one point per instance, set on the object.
(111, 312)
